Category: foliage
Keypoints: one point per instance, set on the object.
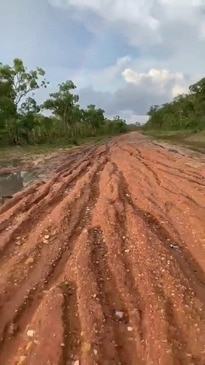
(62, 102)
(186, 111)
(94, 118)
(22, 120)
(16, 82)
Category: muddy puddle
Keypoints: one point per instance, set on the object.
(11, 183)
(18, 173)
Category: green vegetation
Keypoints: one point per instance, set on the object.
(23, 122)
(182, 120)
(185, 112)
(189, 138)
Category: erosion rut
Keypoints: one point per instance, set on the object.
(104, 262)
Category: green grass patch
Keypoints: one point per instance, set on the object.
(8, 152)
(174, 135)
(188, 138)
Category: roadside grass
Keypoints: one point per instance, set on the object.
(163, 134)
(9, 152)
(188, 138)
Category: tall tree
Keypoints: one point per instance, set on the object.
(16, 82)
(95, 117)
(62, 103)
(27, 119)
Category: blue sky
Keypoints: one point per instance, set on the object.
(124, 55)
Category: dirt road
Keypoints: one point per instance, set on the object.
(104, 262)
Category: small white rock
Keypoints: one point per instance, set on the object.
(18, 243)
(119, 314)
(129, 329)
(30, 333)
(29, 261)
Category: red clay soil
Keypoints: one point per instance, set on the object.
(104, 263)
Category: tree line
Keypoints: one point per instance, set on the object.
(186, 111)
(23, 121)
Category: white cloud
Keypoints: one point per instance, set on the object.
(115, 10)
(124, 15)
(110, 75)
(141, 13)
(155, 76)
(169, 36)
(178, 90)
(132, 99)
(159, 81)
(167, 33)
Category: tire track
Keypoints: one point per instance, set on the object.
(39, 281)
(112, 277)
(47, 203)
(37, 198)
(110, 301)
(187, 264)
(71, 344)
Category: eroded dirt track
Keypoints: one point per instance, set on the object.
(104, 263)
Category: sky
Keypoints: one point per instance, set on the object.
(123, 55)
